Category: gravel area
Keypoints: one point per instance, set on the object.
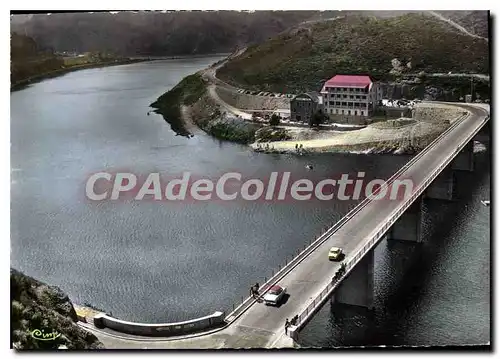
(430, 121)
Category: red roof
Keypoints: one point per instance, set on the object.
(349, 80)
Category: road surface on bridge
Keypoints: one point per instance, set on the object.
(262, 326)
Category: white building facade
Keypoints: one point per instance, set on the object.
(350, 95)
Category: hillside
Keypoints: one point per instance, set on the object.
(28, 60)
(304, 57)
(31, 63)
(38, 309)
(158, 33)
(474, 21)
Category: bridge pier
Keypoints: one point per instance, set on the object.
(357, 287)
(465, 159)
(408, 227)
(442, 187)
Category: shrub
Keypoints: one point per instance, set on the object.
(275, 120)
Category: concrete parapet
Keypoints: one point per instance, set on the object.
(408, 227)
(293, 332)
(357, 287)
(160, 330)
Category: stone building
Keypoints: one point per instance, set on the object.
(304, 106)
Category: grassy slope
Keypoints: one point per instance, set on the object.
(192, 91)
(302, 59)
(186, 92)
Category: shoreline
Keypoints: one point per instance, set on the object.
(19, 85)
(195, 100)
(180, 57)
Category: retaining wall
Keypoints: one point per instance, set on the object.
(160, 330)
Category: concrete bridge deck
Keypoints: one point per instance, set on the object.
(263, 327)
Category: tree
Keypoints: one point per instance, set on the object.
(317, 119)
(275, 120)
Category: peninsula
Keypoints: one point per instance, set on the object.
(247, 97)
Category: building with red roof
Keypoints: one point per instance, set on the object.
(350, 96)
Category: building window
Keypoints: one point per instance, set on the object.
(342, 112)
(362, 113)
(355, 113)
(337, 111)
(348, 112)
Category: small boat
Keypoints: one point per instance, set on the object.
(309, 167)
(486, 203)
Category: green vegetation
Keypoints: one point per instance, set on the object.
(37, 306)
(474, 21)
(229, 129)
(318, 118)
(186, 92)
(270, 134)
(29, 64)
(242, 132)
(191, 91)
(274, 120)
(303, 58)
(157, 33)
(27, 61)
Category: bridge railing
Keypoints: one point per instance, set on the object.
(381, 230)
(282, 271)
(249, 301)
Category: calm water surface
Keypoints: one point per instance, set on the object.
(158, 261)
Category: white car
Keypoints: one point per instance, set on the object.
(274, 295)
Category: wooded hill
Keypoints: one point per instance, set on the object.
(304, 57)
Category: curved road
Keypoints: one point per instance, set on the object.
(261, 326)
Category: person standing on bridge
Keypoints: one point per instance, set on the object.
(287, 324)
(254, 290)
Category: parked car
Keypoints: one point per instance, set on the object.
(335, 254)
(274, 295)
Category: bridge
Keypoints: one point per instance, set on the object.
(311, 279)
